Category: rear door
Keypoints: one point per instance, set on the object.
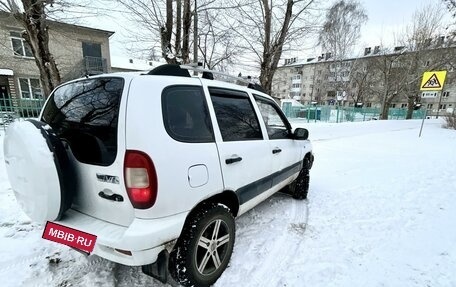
(87, 116)
(244, 153)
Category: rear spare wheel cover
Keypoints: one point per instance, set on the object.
(33, 170)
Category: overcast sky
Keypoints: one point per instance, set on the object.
(386, 18)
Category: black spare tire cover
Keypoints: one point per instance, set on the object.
(39, 170)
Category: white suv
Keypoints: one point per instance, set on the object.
(156, 166)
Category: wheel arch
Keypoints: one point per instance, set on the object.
(309, 158)
(227, 197)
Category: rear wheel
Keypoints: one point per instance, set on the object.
(300, 187)
(204, 248)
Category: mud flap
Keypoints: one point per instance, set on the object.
(158, 269)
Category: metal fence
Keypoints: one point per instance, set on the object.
(11, 109)
(338, 114)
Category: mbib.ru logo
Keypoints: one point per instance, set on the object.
(69, 236)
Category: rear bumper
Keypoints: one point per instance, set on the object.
(144, 238)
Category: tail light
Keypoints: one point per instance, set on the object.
(140, 179)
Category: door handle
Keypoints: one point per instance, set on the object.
(233, 160)
(276, 150)
(113, 197)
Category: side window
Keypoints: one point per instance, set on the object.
(235, 115)
(276, 126)
(186, 115)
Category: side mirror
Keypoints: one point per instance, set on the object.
(301, 134)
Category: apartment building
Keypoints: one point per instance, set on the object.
(77, 50)
(369, 79)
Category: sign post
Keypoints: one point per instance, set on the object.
(431, 85)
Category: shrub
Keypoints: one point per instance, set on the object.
(451, 121)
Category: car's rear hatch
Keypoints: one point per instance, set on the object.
(87, 115)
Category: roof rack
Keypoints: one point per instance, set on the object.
(183, 71)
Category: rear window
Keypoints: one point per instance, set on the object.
(85, 114)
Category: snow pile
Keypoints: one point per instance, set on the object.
(380, 213)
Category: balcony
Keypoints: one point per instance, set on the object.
(95, 65)
(86, 66)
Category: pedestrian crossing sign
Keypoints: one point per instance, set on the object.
(433, 81)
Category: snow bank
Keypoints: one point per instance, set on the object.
(380, 213)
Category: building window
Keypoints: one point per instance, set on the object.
(92, 50)
(296, 86)
(20, 46)
(403, 105)
(429, 106)
(30, 88)
(446, 94)
(392, 106)
(442, 106)
(368, 105)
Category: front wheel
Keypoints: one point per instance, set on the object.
(204, 248)
(300, 187)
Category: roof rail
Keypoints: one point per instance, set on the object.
(209, 74)
(169, 70)
(183, 71)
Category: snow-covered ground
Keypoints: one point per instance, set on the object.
(381, 212)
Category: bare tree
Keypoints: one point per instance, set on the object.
(424, 45)
(340, 33)
(389, 68)
(362, 79)
(451, 5)
(267, 28)
(170, 21)
(32, 15)
(217, 44)
(167, 20)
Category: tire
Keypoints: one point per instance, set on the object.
(300, 187)
(193, 262)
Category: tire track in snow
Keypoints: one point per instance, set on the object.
(280, 249)
(6, 266)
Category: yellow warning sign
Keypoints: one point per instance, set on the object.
(433, 81)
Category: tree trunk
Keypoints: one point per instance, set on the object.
(410, 107)
(187, 22)
(385, 106)
(166, 33)
(36, 35)
(178, 27)
(273, 51)
(384, 113)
